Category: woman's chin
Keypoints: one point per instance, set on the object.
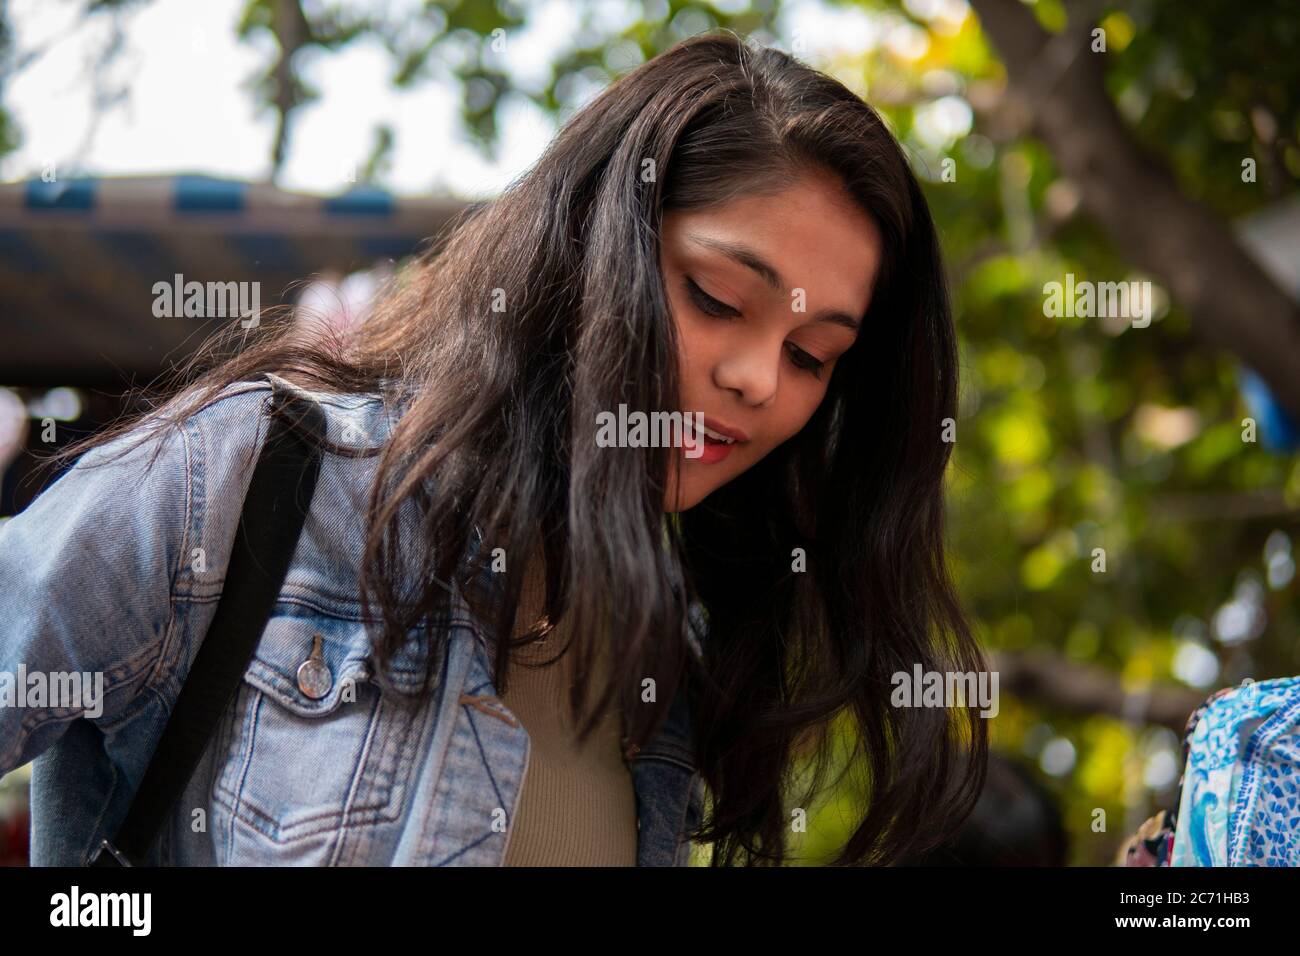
(681, 497)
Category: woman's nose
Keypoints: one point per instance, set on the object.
(752, 370)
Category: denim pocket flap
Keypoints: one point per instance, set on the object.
(310, 663)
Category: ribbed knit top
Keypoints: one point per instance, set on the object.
(577, 805)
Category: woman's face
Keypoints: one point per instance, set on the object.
(766, 293)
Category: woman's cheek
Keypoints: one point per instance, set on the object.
(807, 398)
(692, 338)
(701, 348)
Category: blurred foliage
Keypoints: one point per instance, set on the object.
(1074, 434)
(467, 42)
(9, 134)
(1078, 434)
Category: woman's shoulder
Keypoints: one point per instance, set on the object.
(260, 387)
(235, 415)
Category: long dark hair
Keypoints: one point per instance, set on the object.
(546, 306)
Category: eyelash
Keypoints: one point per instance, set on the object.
(719, 310)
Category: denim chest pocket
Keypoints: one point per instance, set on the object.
(313, 743)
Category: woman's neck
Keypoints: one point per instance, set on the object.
(532, 598)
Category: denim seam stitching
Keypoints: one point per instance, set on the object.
(171, 634)
(358, 772)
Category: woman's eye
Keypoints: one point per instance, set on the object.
(707, 303)
(803, 360)
(711, 306)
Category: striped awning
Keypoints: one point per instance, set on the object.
(79, 260)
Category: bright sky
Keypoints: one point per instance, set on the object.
(189, 108)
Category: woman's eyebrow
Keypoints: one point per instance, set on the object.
(738, 252)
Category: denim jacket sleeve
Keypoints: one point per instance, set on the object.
(86, 582)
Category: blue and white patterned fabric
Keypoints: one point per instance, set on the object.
(1240, 801)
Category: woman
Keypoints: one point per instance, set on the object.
(725, 233)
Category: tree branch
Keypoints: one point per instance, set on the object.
(1232, 302)
(1084, 689)
(291, 29)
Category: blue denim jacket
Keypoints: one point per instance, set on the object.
(118, 569)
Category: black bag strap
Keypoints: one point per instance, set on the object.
(275, 507)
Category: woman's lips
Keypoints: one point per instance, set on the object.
(725, 430)
(713, 451)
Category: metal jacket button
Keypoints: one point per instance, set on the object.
(314, 677)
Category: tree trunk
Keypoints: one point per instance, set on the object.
(1232, 302)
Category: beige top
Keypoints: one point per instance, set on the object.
(577, 805)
